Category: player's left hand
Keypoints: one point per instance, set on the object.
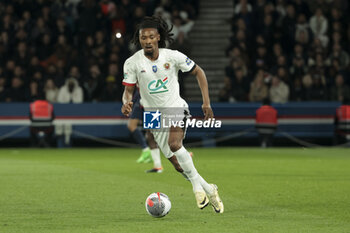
(208, 112)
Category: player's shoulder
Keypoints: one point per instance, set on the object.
(133, 59)
(174, 55)
(169, 51)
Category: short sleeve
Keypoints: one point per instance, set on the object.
(184, 63)
(129, 74)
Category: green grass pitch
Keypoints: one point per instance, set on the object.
(104, 190)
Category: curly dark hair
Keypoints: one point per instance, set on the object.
(157, 23)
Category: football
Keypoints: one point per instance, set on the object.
(158, 205)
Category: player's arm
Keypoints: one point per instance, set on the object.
(203, 85)
(127, 100)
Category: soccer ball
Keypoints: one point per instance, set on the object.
(158, 205)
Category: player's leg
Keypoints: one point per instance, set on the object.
(200, 187)
(163, 144)
(184, 159)
(207, 187)
(161, 138)
(139, 137)
(155, 153)
(136, 117)
(177, 166)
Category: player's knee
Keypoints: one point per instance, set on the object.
(174, 146)
(132, 127)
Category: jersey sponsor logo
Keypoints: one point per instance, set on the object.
(158, 86)
(152, 120)
(188, 61)
(167, 66)
(154, 68)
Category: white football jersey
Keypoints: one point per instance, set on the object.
(158, 80)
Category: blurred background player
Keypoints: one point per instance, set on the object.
(155, 153)
(150, 151)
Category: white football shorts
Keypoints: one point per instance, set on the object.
(161, 136)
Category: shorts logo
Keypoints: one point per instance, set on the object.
(152, 120)
(188, 61)
(166, 66)
(158, 86)
(154, 68)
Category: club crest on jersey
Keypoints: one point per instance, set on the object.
(167, 66)
(154, 68)
(158, 86)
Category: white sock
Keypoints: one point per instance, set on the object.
(186, 163)
(156, 158)
(207, 187)
(145, 149)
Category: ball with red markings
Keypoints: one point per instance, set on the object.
(158, 205)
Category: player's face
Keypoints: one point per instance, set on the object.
(149, 38)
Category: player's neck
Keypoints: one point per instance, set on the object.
(152, 56)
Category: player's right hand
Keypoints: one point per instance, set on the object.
(127, 108)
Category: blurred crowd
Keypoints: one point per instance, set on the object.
(72, 51)
(289, 51)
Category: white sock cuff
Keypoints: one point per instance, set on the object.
(181, 150)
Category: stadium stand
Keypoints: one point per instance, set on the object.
(299, 48)
(45, 43)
